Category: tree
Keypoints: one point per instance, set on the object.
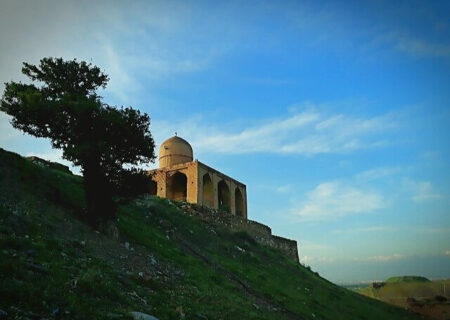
(61, 103)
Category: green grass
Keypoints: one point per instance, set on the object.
(54, 266)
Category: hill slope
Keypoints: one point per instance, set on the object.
(165, 262)
(403, 279)
(414, 293)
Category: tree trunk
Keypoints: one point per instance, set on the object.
(100, 205)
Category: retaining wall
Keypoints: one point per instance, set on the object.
(258, 231)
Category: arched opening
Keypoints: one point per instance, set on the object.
(208, 193)
(177, 187)
(223, 193)
(153, 188)
(239, 202)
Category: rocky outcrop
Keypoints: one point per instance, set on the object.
(49, 164)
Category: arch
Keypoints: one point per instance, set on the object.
(208, 192)
(177, 187)
(153, 188)
(239, 202)
(223, 193)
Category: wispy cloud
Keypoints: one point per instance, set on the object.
(377, 229)
(383, 258)
(422, 48)
(422, 191)
(378, 173)
(284, 188)
(415, 46)
(330, 200)
(146, 43)
(308, 133)
(316, 260)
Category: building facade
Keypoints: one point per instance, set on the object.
(182, 178)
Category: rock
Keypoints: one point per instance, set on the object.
(153, 261)
(142, 316)
(201, 316)
(127, 245)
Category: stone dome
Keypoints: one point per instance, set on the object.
(173, 151)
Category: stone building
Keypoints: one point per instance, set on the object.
(182, 178)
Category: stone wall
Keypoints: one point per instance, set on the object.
(287, 246)
(263, 234)
(258, 231)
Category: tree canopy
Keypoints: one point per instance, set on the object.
(61, 103)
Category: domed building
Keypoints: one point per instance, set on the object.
(182, 178)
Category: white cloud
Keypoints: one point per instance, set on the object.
(422, 191)
(415, 46)
(307, 133)
(383, 258)
(146, 41)
(422, 48)
(377, 229)
(377, 173)
(316, 260)
(284, 188)
(330, 200)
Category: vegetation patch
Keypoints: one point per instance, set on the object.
(164, 263)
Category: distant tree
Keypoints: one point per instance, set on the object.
(62, 104)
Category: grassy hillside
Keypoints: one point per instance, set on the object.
(403, 279)
(414, 293)
(410, 289)
(164, 263)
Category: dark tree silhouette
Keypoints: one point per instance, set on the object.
(62, 104)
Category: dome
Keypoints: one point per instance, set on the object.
(173, 151)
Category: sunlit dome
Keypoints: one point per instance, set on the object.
(173, 151)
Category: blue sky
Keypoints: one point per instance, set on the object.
(334, 114)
